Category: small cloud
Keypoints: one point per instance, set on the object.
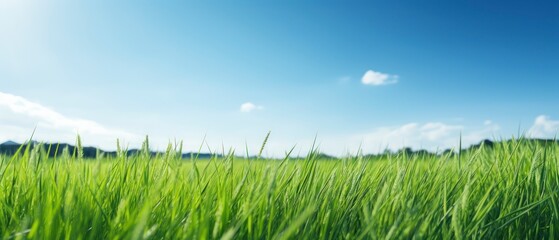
(544, 127)
(487, 122)
(377, 78)
(249, 107)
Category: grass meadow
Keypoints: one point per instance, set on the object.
(509, 191)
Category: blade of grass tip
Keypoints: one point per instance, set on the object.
(263, 145)
(40, 147)
(248, 169)
(287, 155)
(49, 149)
(29, 144)
(360, 150)
(145, 151)
(209, 148)
(211, 161)
(246, 151)
(312, 152)
(519, 129)
(118, 148)
(223, 150)
(74, 152)
(32, 134)
(231, 157)
(55, 156)
(180, 149)
(313, 148)
(213, 158)
(200, 148)
(193, 158)
(79, 148)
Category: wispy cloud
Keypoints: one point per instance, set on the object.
(544, 127)
(249, 107)
(431, 136)
(414, 135)
(19, 116)
(377, 78)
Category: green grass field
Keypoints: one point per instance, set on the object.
(509, 191)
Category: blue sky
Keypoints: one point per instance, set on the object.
(376, 75)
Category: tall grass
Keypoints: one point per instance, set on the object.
(508, 191)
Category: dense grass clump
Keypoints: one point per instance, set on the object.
(507, 191)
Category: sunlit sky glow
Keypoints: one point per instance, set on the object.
(354, 74)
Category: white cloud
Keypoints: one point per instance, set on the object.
(249, 107)
(19, 116)
(544, 127)
(431, 136)
(377, 78)
(428, 135)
